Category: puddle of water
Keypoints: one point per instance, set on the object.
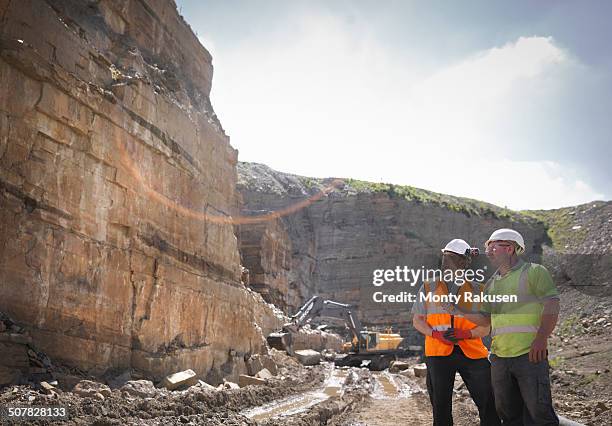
(285, 407)
(293, 405)
(387, 387)
(332, 390)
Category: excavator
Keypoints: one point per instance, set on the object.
(377, 349)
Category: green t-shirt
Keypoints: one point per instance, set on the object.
(541, 285)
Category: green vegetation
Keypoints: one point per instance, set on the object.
(569, 327)
(309, 182)
(467, 206)
(559, 223)
(556, 362)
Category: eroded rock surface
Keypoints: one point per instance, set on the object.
(116, 180)
(338, 240)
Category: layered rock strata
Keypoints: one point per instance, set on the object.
(116, 185)
(340, 239)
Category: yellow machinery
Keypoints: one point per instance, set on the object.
(378, 349)
(375, 341)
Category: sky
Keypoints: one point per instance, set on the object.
(505, 102)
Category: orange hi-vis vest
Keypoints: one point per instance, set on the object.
(472, 348)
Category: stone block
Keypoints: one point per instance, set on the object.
(244, 380)
(308, 357)
(182, 378)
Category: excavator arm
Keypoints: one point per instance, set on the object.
(316, 307)
(377, 359)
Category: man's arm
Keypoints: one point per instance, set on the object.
(480, 331)
(550, 316)
(482, 319)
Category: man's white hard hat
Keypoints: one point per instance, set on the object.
(506, 234)
(457, 246)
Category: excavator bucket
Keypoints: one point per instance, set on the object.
(280, 341)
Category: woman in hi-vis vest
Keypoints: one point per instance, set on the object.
(452, 343)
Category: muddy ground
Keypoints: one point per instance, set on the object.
(580, 353)
(198, 404)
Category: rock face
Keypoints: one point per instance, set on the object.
(116, 182)
(340, 239)
(266, 252)
(581, 252)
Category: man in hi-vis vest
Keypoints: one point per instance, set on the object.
(452, 343)
(520, 329)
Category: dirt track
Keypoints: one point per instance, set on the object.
(349, 397)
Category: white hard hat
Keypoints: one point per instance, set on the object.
(457, 246)
(505, 234)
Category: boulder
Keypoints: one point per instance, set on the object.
(244, 380)
(47, 388)
(420, 370)
(308, 357)
(139, 388)
(183, 378)
(264, 373)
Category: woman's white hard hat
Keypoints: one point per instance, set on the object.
(457, 246)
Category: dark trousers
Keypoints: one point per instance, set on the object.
(476, 374)
(522, 391)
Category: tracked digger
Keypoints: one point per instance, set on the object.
(377, 349)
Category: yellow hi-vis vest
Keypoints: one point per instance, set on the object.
(523, 316)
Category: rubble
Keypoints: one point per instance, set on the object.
(139, 388)
(143, 404)
(269, 364)
(91, 389)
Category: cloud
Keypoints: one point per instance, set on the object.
(321, 96)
